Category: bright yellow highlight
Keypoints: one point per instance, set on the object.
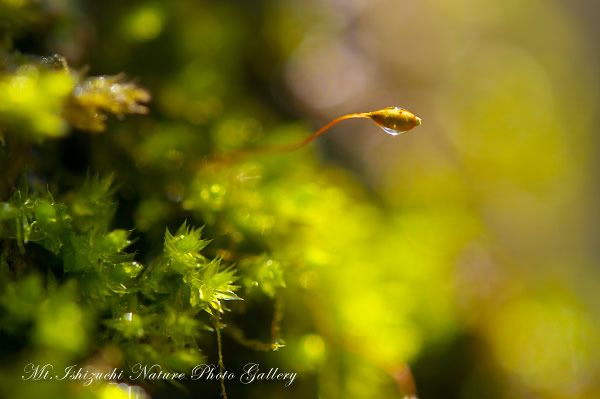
(60, 326)
(33, 92)
(313, 348)
(546, 343)
(144, 24)
(115, 392)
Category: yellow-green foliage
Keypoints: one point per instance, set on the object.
(42, 100)
(144, 243)
(31, 101)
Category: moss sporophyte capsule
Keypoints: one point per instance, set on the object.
(392, 120)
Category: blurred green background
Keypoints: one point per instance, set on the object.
(465, 248)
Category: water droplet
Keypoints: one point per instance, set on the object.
(392, 132)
